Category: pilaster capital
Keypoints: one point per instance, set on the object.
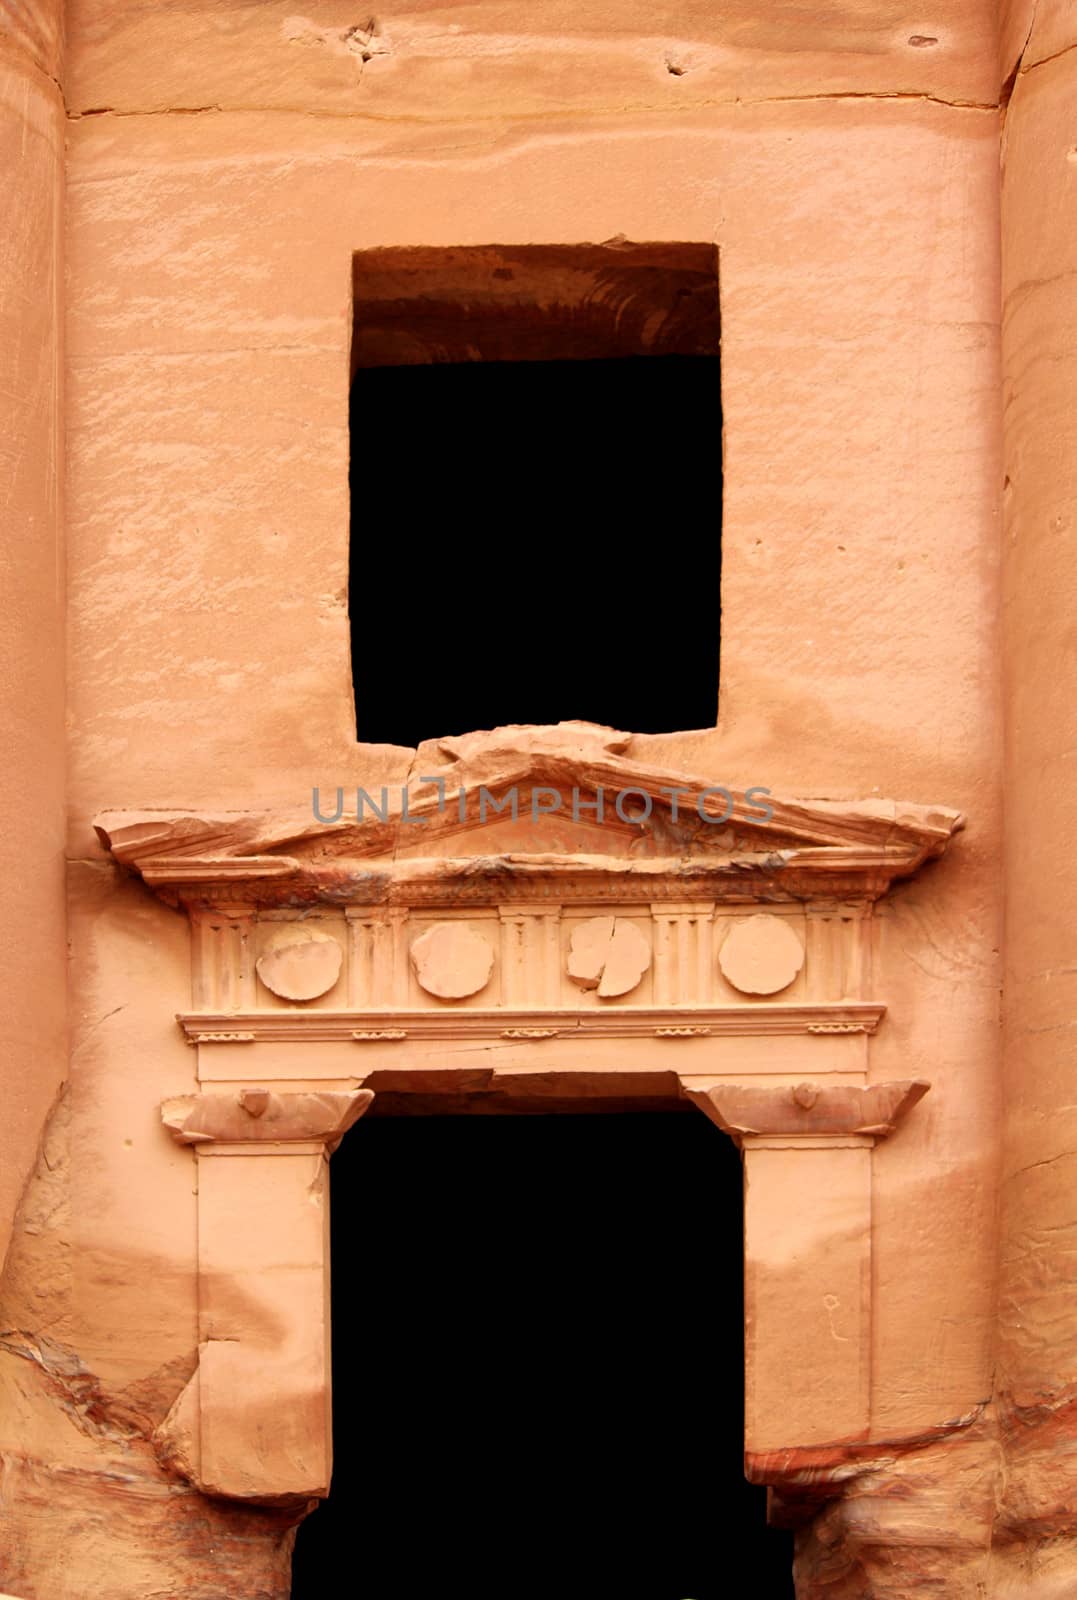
(261, 1116)
(807, 1114)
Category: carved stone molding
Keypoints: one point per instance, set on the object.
(850, 1017)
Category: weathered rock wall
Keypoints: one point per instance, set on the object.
(32, 950)
(225, 161)
(1035, 1545)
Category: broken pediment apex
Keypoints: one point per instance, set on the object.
(491, 750)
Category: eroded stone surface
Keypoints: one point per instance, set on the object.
(428, 62)
(608, 954)
(536, 776)
(1035, 1547)
(841, 164)
(32, 943)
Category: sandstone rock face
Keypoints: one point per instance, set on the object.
(1035, 1550)
(225, 162)
(31, 578)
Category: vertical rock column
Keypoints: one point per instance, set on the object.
(1037, 1348)
(32, 945)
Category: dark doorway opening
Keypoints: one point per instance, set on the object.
(536, 489)
(538, 1366)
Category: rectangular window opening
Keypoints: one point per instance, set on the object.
(536, 482)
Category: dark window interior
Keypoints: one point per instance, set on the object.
(536, 489)
(538, 1366)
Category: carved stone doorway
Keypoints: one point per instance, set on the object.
(538, 1351)
(541, 918)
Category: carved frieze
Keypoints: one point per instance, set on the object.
(534, 871)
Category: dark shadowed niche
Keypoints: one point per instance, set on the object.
(538, 1365)
(536, 486)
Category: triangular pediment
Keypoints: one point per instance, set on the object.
(528, 802)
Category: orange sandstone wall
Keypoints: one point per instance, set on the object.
(225, 161)
(32, 951)
(1037, 1329)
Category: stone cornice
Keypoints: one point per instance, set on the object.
(305, 1027)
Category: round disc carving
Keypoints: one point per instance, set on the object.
(608, 954)
(452, 961)
(301, 964)
(762, 955)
